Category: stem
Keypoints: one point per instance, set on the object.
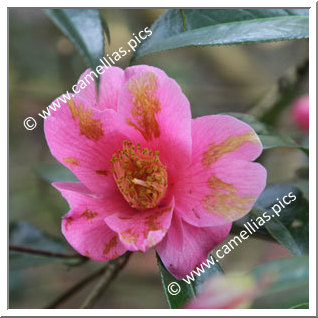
(31, 250)
(281, 95)
(183, 19)
(110, 273)
(76, 288)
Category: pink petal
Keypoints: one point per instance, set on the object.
(163, 121)
(300, 113)
(221, 185)
(139, 230)
(111, 81)
(185, 246)
(84, 227)
(84, 140)
(227, 292)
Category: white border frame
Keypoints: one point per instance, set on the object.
(312, 162)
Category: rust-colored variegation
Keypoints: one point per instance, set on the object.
(152, 221)
(88, 214)
(89, 127)
(102, 172)
(224, 199)
(146, 105)
(68, 221)
(112, 243)
(128, 236)
(71, 161)
(216, 151)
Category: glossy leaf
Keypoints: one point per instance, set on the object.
(188, 291)
(51, 172)
(290, 227)
(269, 138)
(224, 27)
(290, 283)
(84, 29)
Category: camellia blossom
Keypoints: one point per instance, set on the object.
(231, 291)
(149, 175)
(300, 113)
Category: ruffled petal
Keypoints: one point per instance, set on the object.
(84, 140)
(84, 227)
(186, 246)
(221, 185)
(139, 230)
(154, 111)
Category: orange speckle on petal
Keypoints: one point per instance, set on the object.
(224, 199)
(112, 243)
(215, 151)
(143, 90)
(152, 220)
(71, 161)
(68, 221)
(124, 217)
(128, 236)
(89, 127)
(102, 172)
(88, 214)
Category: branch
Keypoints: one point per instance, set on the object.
(31, 250)
(110, 273)
(76, 288)
(281, 94)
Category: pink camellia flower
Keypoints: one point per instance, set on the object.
(230, 291)
(149, 174)
(300, 113)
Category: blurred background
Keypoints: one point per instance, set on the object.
(43, 64)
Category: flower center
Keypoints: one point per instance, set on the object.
(140, 175)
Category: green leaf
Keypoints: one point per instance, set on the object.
(290, 227)
(224, 27)
(27, 235)
(269, 138)
(290, 285)
(105, 28)
(301, 306)
(188, 291)
(84, 29)
(54, 173)
(208, 273)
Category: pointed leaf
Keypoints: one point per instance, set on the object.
(224, 27)
(84, 29)
(187, 291)
(290, 227)
(51, 172)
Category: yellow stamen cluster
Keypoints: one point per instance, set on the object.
(140, 175)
